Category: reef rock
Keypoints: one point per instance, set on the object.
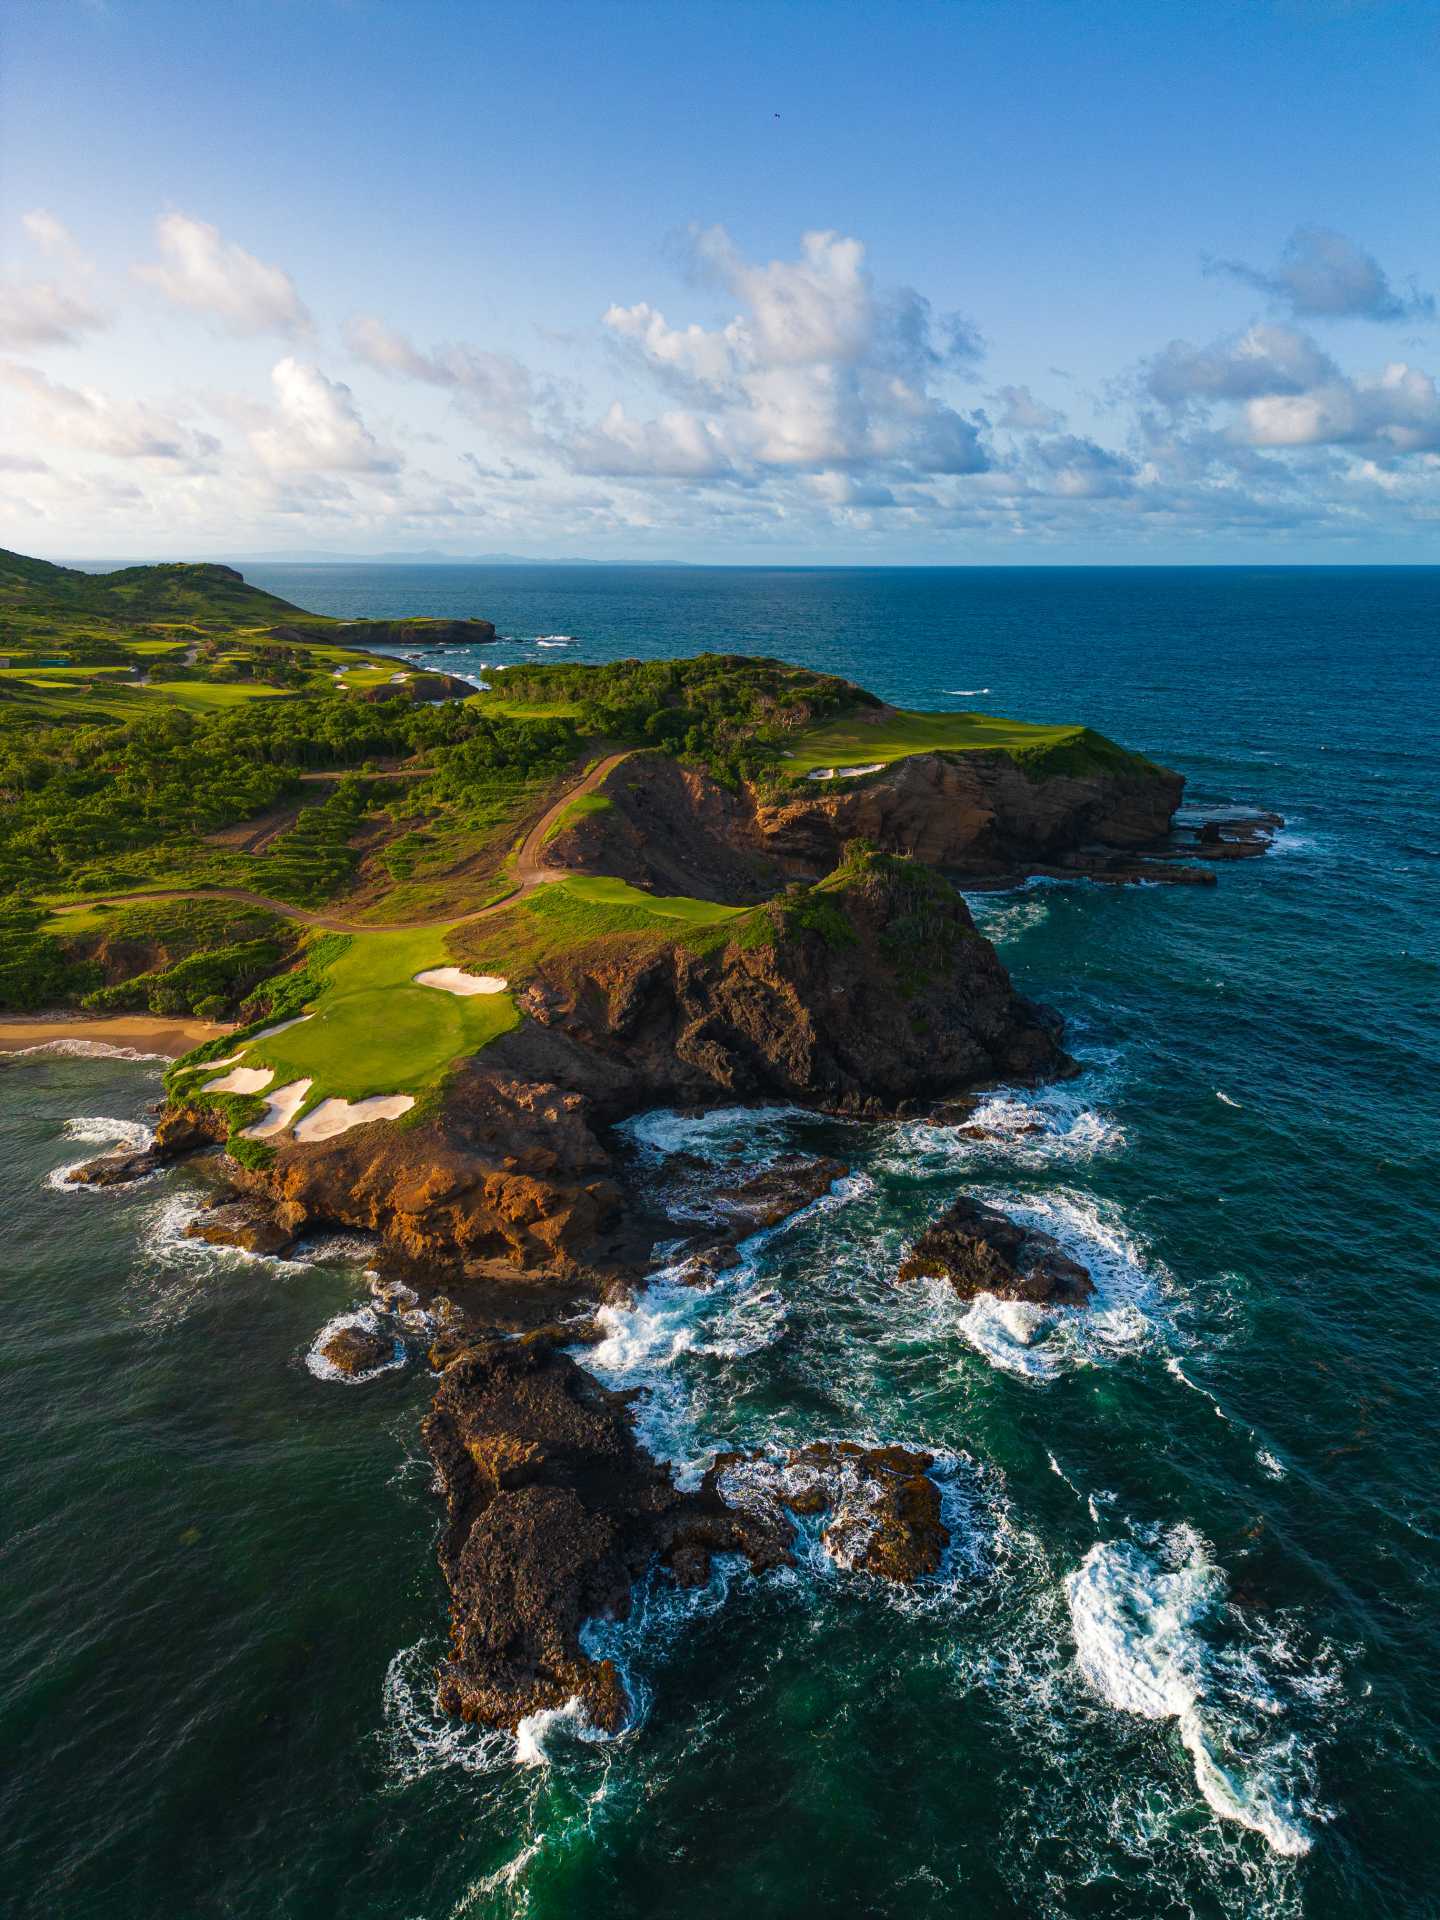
(356, 1350)
(980, 1250)
(554, 1511)
(884, 1507)
(247, 1223)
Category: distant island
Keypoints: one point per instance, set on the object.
(445, 940)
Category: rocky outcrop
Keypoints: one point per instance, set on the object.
(871, 994)
(981, 815)
(980, 1250)
(358, 1350)
(883, 1507)
(554, 1511)
(248, 1223)
(419, 687)
(861, 996)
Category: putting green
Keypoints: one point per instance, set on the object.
(893, 736)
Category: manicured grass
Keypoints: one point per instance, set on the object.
(580, 809)
(82, 920)
(584, 912)
(501, 708)
(599, 892)
(860, 741)
(373, 1031)
(211, 696)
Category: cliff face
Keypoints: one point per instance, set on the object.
(975, 814)
(869, 994)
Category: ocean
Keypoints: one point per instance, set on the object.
(1183, 1658)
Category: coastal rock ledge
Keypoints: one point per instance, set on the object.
(555, 1511)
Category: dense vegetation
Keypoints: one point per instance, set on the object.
(736, 714)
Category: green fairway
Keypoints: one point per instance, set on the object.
(598, 891)
(864, 739)
(210, 696)
(373, 1031)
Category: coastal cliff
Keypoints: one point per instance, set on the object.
(870, 993)
(980, 815)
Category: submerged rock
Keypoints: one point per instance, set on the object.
(118, 1169)
(980, 1250)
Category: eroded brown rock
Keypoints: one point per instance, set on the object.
(884, 1507)
(356, 1350)
(554, 1511)
(248, 1223)
(980, 1250)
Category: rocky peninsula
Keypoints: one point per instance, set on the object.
(458, 946)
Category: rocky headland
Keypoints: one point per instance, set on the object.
(844, 973)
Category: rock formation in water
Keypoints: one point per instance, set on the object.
(554, 1511)
(980, 1250)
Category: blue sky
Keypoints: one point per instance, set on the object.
(752, 282)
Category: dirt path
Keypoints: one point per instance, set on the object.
(529, 873)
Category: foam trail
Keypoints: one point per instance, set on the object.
(1137, 1645)
(536, 1728)
(121, 1136)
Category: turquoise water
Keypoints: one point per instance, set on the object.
(1183, 1657)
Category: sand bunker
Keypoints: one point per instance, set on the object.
(209, 1066)
(844, 773)
(338, 1116)
(242, 1080)
(281, 1108)
(268, 1033)
(456, 980)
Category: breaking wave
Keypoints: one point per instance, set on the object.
(1138, 1623)
(98, 1130)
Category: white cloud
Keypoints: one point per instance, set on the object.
(207, 274)
(1395, 412)
(1021, 412)
(1262, 360)
(1323, 275)
(818, 370)
(40, 313)
(54, 239)
(90, 421)
(316, 426)
(495, 390)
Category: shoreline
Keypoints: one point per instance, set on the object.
(147, 1032)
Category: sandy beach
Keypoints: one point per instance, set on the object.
(145, 1032)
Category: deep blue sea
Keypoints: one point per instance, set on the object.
(1184, 1656)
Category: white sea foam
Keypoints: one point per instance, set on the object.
(419, 1739)
(759, 1135)
(121, 1136)
(536, 1730)
(367, 1321)
(1225, 1099)
(1058, 1125)
(1139, 1646)
(1042, 1342)
(965, 693)
(84, 1050)
(555, 640)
